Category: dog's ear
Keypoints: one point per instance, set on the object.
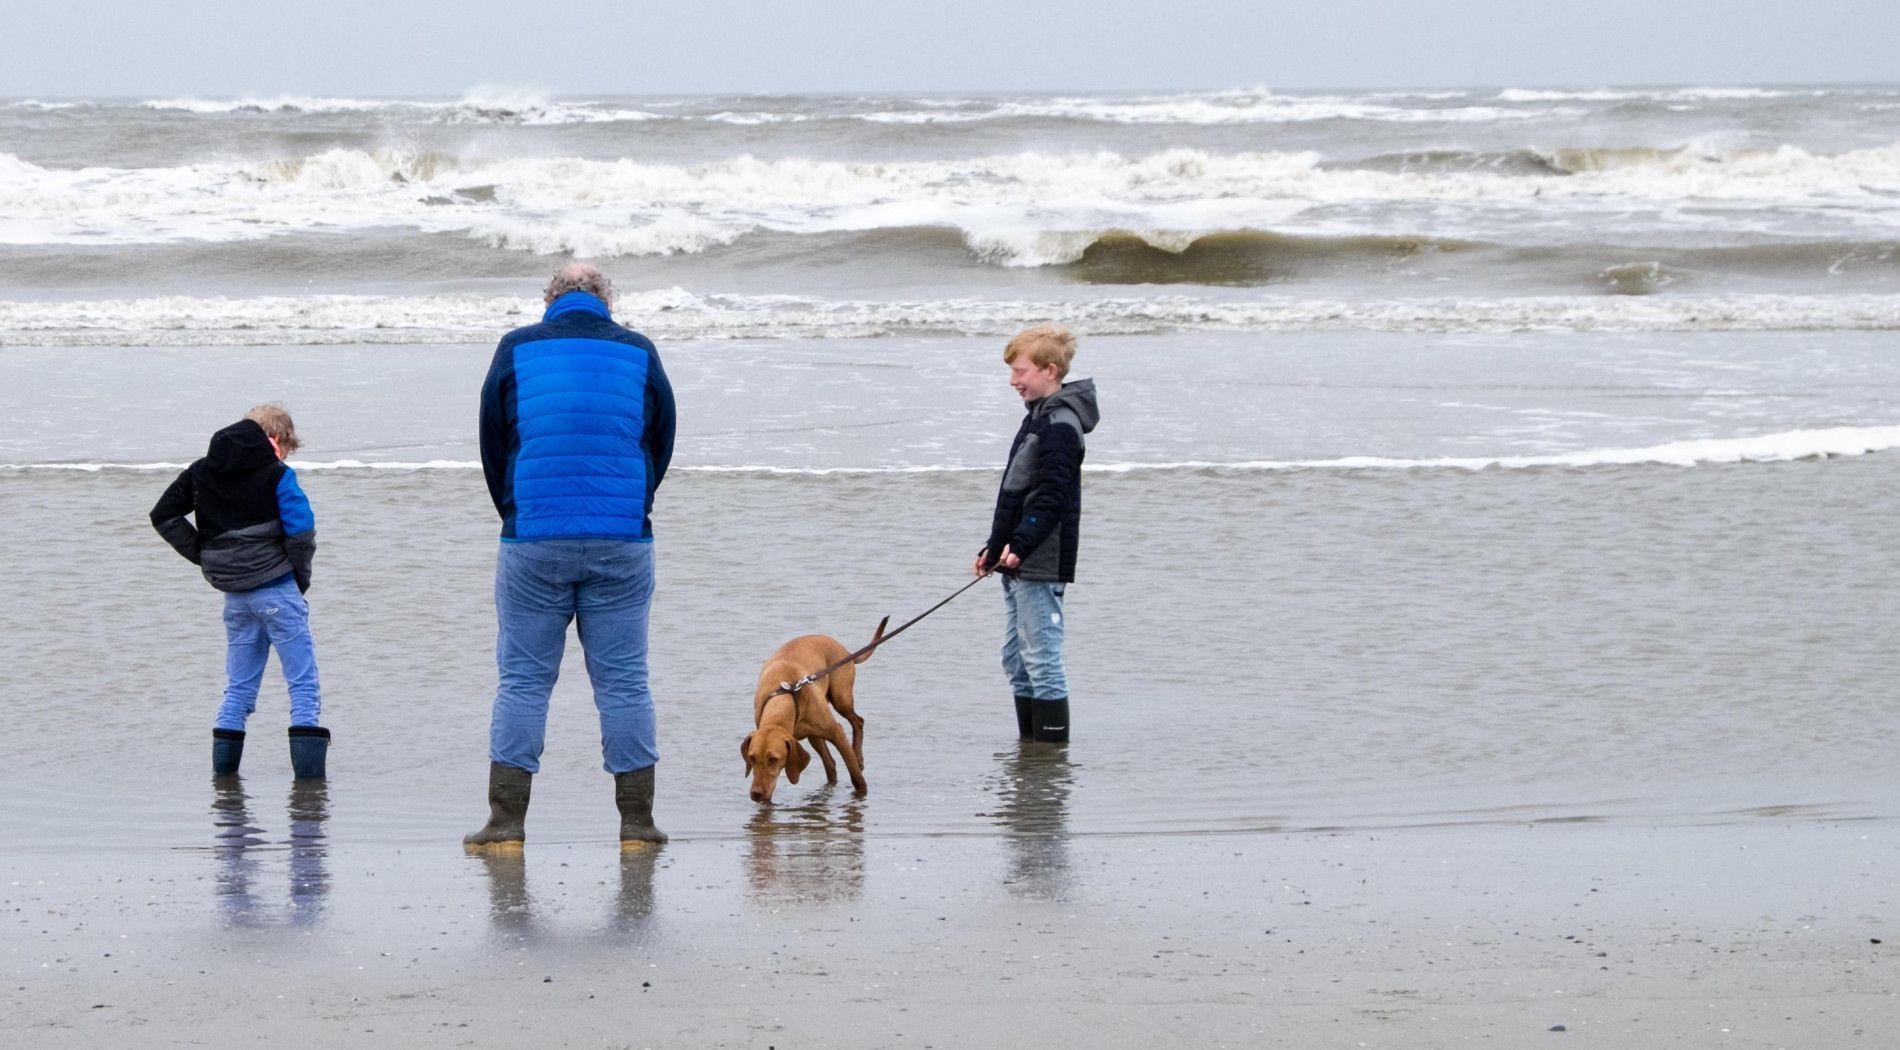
(745, 752)
(796, 762)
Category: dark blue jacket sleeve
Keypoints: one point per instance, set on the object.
(1059, 478)
(300, 527)
(168, 517)
(661, 422)
(497, 431)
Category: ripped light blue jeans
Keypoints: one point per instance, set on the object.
(273, 616)
(1032, 639)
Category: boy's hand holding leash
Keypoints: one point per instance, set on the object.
(1007, 563)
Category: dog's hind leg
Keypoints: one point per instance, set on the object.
(851, 763)
(842, 695)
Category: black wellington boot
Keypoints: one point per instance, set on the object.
(633, 793)
(1025, 727)
(308, 747)
(508, 791)
(1051, 720)
(227, 750)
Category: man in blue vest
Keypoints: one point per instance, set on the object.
(577, 431)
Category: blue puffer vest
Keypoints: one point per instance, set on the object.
(577, 426)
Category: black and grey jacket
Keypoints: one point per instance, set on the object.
(254, 524)
(1039, 505)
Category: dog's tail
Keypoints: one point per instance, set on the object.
(875, 640)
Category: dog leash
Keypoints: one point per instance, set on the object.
(877, 639)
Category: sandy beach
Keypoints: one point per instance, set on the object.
(1775, 932)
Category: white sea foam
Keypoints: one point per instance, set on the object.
(1553, 95)
(280, 104)
(1219, 109)
(1767, 448)
(485, 104)
(674, 314)
(1688, 94)
(1025, 209)
(525, 105)
(1726, 93)
(1781, 447)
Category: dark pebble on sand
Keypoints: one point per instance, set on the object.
(1558, 1028)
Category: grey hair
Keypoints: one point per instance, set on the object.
(579, 277)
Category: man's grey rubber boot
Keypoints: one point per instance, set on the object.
(308, 746)
(633, 794)
(1025, 728)
(508, 791)
(227, 750)
(1051, 720)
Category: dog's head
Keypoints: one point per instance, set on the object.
(767, 752)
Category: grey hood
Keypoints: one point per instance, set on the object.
(1079, 398)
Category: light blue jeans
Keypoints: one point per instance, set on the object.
(1032, 639)
(273, 616)
(541, 586)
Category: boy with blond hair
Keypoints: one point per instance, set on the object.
(1034, 530)
(254, 539)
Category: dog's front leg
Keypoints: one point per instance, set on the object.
(824, 755)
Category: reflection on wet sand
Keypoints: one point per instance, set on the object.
(516, 915)
(633, 905)
(239, 845)
(1032, 785)
(234, 832)
(510, 906)
(811, 852)
(309, 807)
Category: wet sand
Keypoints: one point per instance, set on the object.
(802, 932)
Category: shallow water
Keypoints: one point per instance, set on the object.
(1248, 652)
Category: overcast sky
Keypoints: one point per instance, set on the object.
(380, 47)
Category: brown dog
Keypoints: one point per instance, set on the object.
(785, 719)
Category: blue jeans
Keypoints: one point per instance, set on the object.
(540, 587)
(1032, 639)
(273, 616)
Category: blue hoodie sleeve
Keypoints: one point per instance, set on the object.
(300, 527)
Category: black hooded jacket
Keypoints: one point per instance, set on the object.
(254, 525)
(1039, 504)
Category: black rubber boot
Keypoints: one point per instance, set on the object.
(308, 747)
(1025, 727)
(1050, 720)
(508, 791)
(633, 793)
(227, 750)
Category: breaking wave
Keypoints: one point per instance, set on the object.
(523, 105)
(481, 105)
(1686, 94)
(1782, 447)
(677, 314)
(1029, 209)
